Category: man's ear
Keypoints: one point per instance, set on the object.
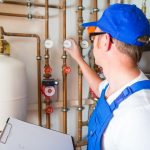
(108, 42)
(105, 42)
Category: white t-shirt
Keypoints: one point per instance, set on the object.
(129, 129)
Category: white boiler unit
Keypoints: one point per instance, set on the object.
(13, 89)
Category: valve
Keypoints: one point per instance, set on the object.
(67, 69)
(49, 109)
(67, 44)
(47, 70)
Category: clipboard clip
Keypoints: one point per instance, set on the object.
(6, 132)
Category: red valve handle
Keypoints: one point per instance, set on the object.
(47, 70)
(67, 69)
(49, 110)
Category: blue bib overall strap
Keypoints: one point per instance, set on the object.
(103, 113)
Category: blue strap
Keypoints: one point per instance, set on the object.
(103, 113)
(140, 85)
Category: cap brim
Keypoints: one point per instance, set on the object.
(89, 24)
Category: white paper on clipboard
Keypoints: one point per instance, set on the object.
(19, 135)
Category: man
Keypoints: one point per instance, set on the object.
(121, 119)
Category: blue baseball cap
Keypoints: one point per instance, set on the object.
(123, 22)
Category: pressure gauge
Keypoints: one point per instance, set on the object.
(48, 43)
(67, 44)
(84, 44)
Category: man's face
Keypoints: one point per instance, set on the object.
(97, 47)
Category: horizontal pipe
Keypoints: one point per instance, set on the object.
(81, 143)
(34, 4)
(21, 15)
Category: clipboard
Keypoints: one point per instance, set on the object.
(19, 135)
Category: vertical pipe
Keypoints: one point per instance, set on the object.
(95, 17)
(107, 3)
(121, 1)
(80, 107)
(64, 57)
(1, 40)
(47, 55)
(144, 6)
(39, 82)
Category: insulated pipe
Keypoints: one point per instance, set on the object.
(80, 75)
(48, 125)
(34, 4)
(38, 57)
(64, 57)
(21, 15)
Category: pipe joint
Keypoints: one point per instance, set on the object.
(64, 57)
(94, 10)
(65, 109)
(80, 108)
(29, 4)
(46, 56)
(38, 57)
(80, 8)
(30, 16)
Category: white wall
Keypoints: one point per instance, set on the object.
(24, 49)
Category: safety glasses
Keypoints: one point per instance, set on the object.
(93, 34)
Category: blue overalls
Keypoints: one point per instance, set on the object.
(103, 113)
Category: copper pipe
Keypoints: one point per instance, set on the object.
(64, 57)
(95, 14)
(34, 4)
(107, 3)
(85, 123)
(38, 66)
(48, 125)
(1, 40)
(144, 6)
(121, 1)
(81, 143)
(95, 18)
(80, 75)
(21, 15)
